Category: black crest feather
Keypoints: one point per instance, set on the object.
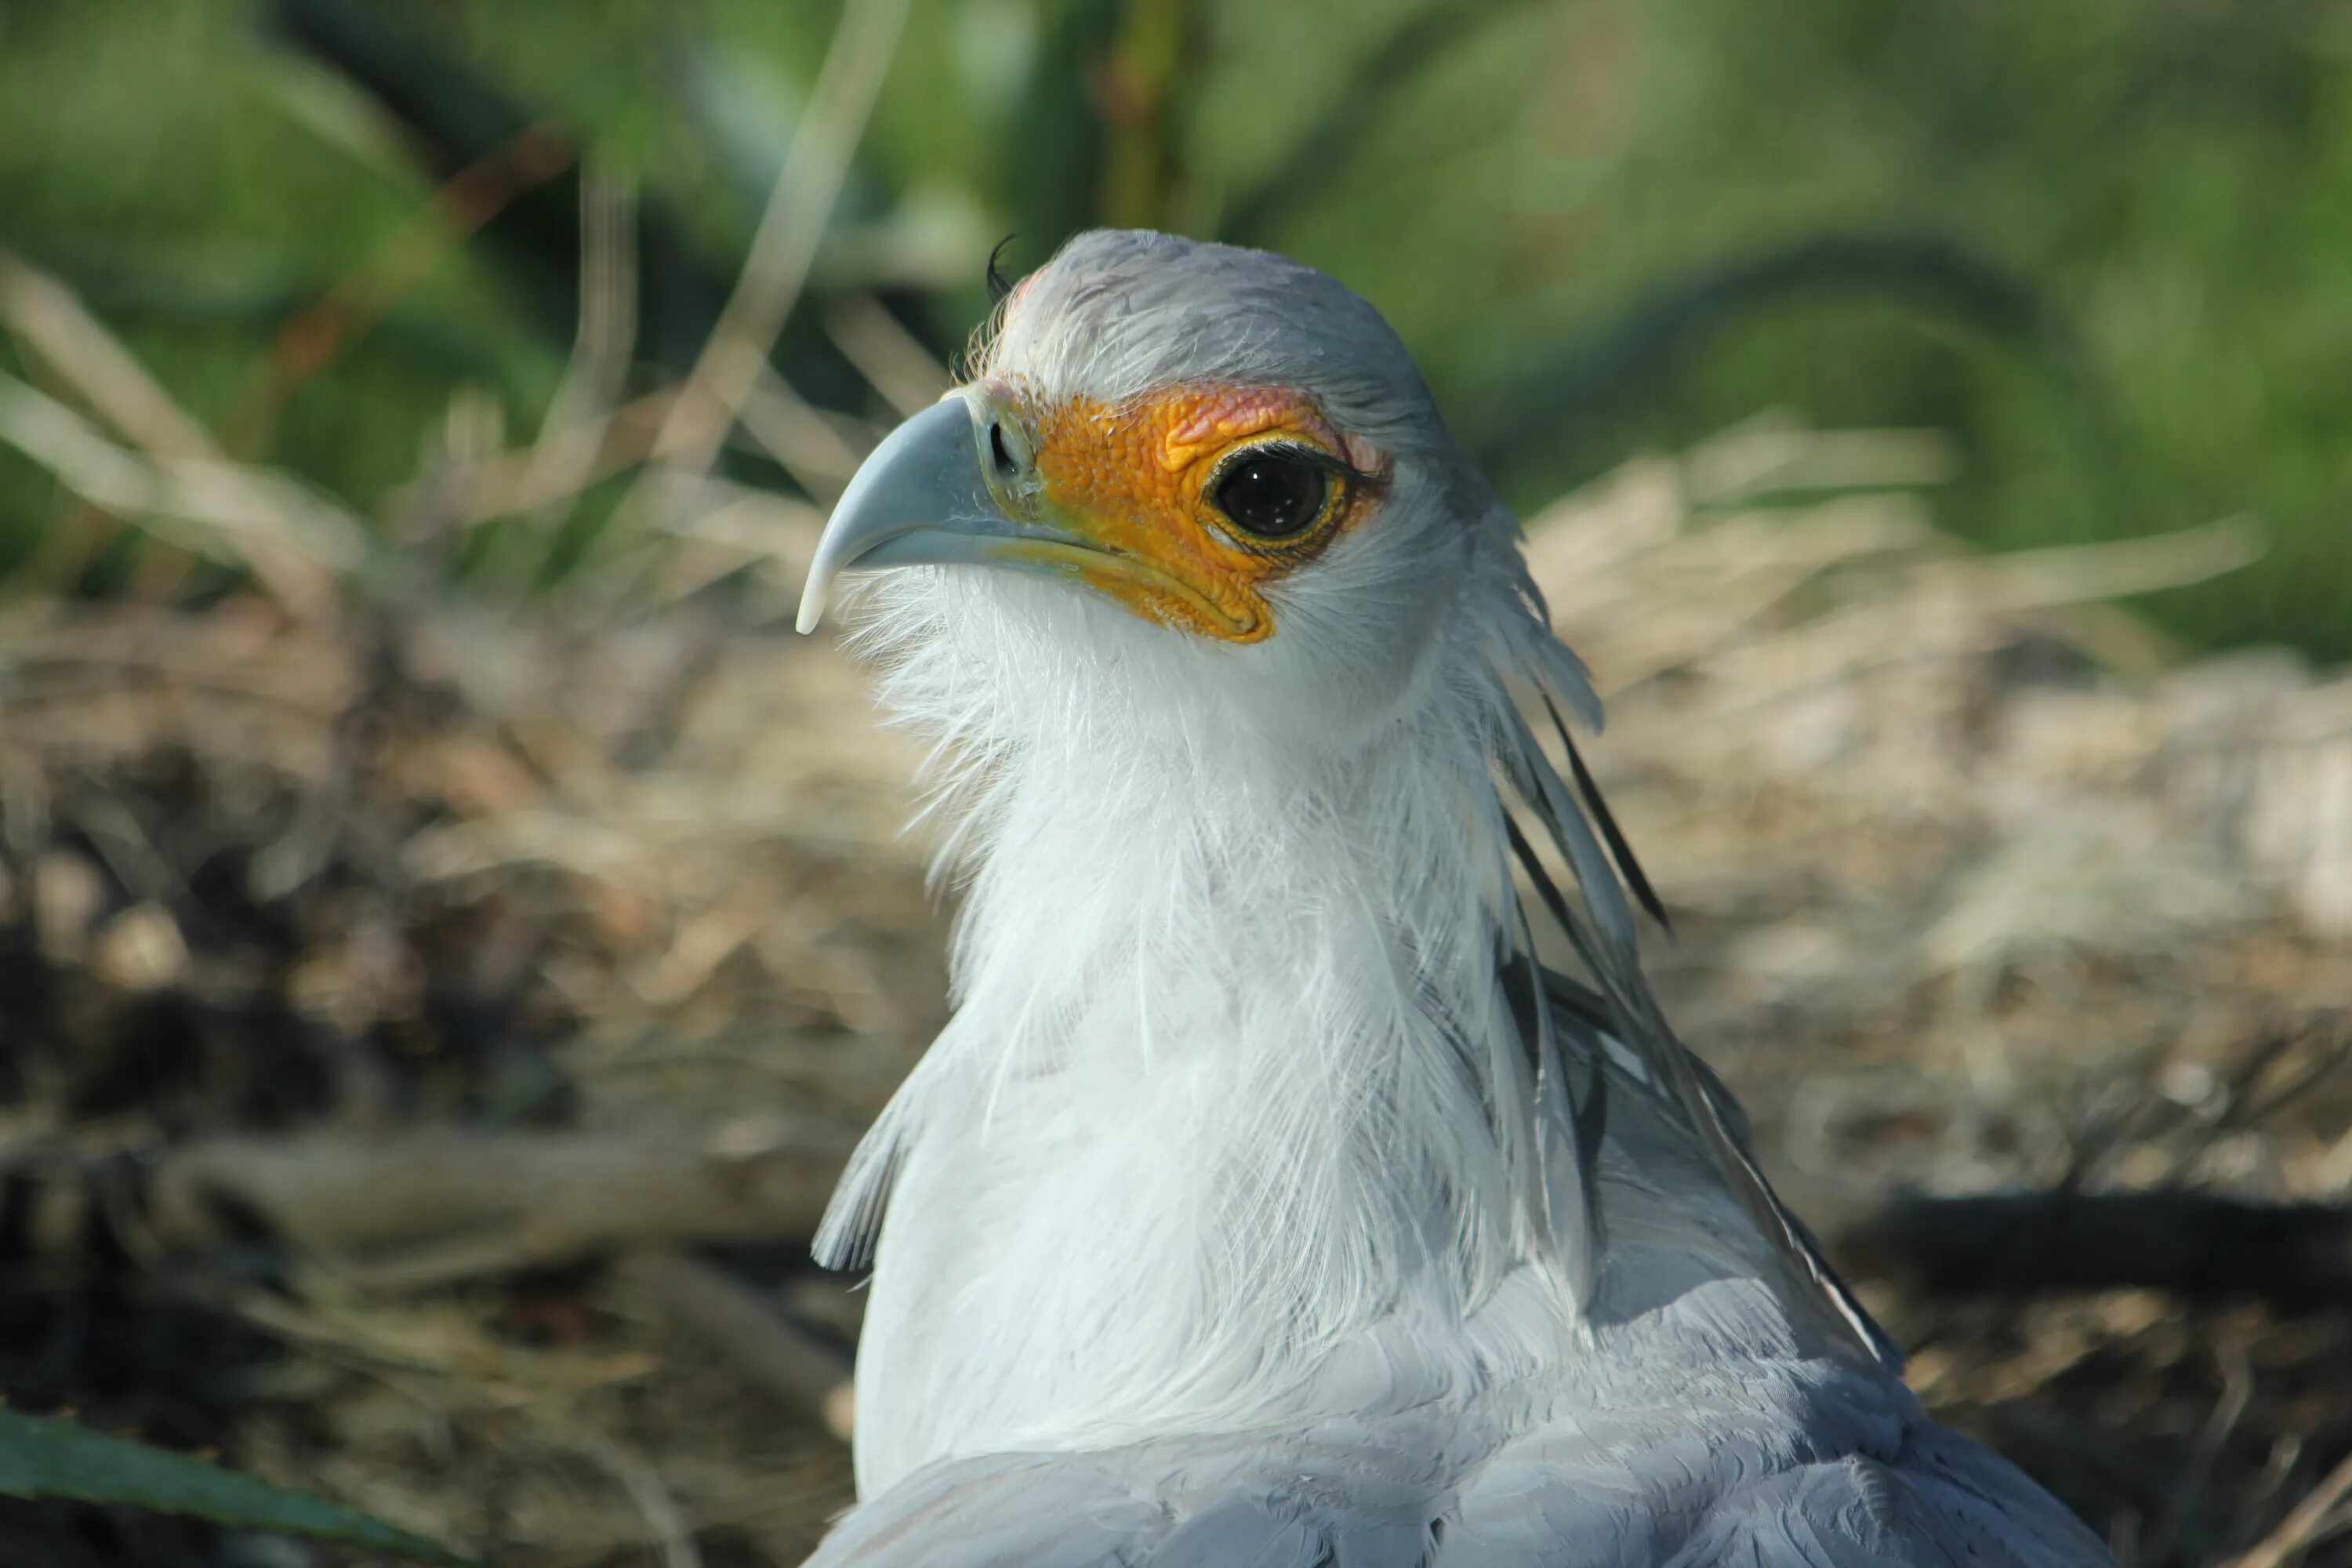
(999, 286)
(1619, 848)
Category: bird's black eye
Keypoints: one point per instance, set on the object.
(1272, 494)
(996, 449)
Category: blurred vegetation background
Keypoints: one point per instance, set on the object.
(2101, 243)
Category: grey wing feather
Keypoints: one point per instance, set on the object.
(1937, 1501)
(1857, 1513)
(1737, 1480)
(1148, 1507)
(1274, 1529)
(1242, 1533)
(1037, 1511)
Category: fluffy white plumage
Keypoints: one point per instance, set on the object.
(1261, 1203)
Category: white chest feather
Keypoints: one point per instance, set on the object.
(1214, 1127)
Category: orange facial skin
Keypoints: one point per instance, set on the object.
(1134, 482)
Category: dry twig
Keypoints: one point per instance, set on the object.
(786, 240)
(2311, 1520)
(412, 1210)
(795, 1366)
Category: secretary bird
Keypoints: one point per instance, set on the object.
(1266, 1201)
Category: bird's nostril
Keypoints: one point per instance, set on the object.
(996, 449)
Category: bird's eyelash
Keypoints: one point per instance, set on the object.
(1332, 463)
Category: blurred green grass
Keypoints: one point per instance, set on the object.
(2173, 177)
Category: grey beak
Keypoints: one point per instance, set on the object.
(921, 498)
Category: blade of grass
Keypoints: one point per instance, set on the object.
(54, 1458)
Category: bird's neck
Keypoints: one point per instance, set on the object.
(1224, 1087)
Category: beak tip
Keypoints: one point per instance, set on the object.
(923, 477)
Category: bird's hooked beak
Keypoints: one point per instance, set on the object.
(921, 498)
(959, 484)
(1135, 501)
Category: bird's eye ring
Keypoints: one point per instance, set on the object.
(1273, 493)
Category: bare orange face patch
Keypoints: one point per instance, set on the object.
(1142, 484)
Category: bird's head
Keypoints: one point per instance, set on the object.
(1223, 452)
